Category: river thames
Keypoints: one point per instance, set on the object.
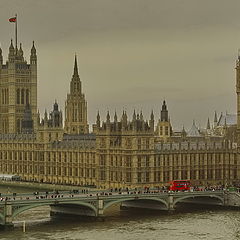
(185, 224)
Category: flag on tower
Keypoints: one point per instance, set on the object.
(13, 19)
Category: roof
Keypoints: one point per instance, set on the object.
(193, 132)
(229, 119)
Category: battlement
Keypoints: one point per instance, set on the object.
(135, 126)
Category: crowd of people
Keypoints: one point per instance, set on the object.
(110, 192)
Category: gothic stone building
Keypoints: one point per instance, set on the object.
(119, 152)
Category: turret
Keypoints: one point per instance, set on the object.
(11, 54)
(33, 56)
(98, 120)
(164, 112)
(108, 118)
(151, 122)
(20, 53)
(56, 116)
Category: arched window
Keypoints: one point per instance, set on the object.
(3, 96)
(18, 96)
(6, 95)
(27, 96)
(22, 96)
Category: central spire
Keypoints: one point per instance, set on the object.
(75, 73)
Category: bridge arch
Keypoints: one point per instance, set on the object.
(27, 207)
(177, 200)
(109, 204)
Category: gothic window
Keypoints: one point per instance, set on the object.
(18, 96)
(128, 177)
(22, 96)
(7, 95)
(3, 96)
(166, 130)
(147, 176)
(161, 130)
(27, 96)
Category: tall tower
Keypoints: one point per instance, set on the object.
(164, 128)
(238, 98)
(76, 106)
(18, 87)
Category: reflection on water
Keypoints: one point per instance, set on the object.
(130, 225)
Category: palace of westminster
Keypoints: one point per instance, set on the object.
(120, 151)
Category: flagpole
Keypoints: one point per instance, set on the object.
(16, 31)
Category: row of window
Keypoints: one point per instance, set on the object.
(23, 96)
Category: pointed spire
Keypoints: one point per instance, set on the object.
(152, 115)
(134, 115)
(215, 116)
(33, 50)
(11, 55)
(55, 106)
(141, 116)
(11, 45)
(108, 117)
(20, 52)
(183, 133)
(98, 119)
(151, 122)
(75, 72)
(164, 106)
(45, 117)
(122, 115)
(115, 117)
(208, 124)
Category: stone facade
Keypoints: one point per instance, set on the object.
(18, 87)
(119, 152)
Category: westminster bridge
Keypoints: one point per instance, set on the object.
(94, 203)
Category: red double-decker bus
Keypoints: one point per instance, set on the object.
(179, 185)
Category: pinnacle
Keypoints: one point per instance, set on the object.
(75, 73)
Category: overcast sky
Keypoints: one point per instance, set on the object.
(132, 53)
